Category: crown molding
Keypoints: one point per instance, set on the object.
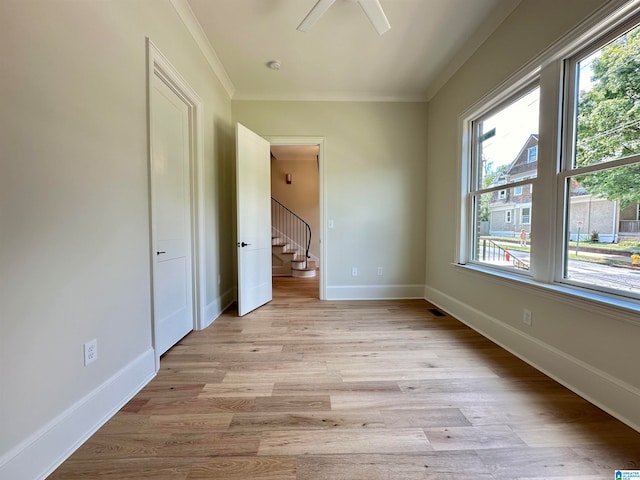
(190, 21)
(327, 97)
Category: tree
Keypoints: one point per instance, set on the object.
(489, 177)
(608, 123)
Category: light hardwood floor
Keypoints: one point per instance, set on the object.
(310, 390)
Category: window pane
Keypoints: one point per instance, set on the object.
(600, 244)
(500, 237)
(507, 140)
(608, 113)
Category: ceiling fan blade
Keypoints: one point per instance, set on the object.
(316, 12)
(376, 15)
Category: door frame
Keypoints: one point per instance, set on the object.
(322, 143)
(159, 66)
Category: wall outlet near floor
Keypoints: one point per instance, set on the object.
(526, 317)
(379, 271)
(90, 351)
(354, 271)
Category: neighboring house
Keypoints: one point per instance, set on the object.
(630, 221)
(510, 209)
(593, 214)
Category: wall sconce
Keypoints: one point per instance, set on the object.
(287, 177)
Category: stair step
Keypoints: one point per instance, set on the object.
(282, 249)
(300, 263)
(303, 272)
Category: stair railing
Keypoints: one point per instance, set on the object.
(491, 252)
(294, 229)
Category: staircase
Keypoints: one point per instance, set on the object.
(290, 241)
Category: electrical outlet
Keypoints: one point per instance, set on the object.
(526, 317)
(330, 223)
(354, 271)
(90, 351)
(379, 272)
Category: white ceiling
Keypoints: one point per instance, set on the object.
(342, 57)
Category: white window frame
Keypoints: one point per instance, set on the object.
(530, 150)
(566, 167)
(549, 220)
(517, 191)
(522, 209)
(519, 89)
(508, 216)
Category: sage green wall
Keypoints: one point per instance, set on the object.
(603, 344)
(74, 235)
(374, 185)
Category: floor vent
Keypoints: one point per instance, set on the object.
(437, 312)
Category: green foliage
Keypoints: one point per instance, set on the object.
(629, 244)
(608, 123)
(492, 174)
(489, 176)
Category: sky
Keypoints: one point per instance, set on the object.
(513, 126)
(520, 119)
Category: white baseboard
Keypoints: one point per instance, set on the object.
(374, 292)
(219, 305)
(46, 449)
(616, 397)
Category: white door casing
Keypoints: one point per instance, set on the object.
(171, 215)
(175, 160)
(322, 234)
(253, 184)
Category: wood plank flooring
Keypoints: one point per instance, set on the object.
(308, 390)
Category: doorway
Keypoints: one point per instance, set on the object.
(176, 203)
(297, 174)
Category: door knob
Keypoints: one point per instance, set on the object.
(243, 244)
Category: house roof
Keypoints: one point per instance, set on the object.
(517, 161)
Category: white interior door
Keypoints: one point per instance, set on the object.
(253, 183)
(171, 216)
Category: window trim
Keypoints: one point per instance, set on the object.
(517, 91)
(612, 306)
(566, 167)
(602, 22)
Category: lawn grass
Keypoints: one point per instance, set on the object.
(598, 260)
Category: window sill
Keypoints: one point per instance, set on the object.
(618, 308)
